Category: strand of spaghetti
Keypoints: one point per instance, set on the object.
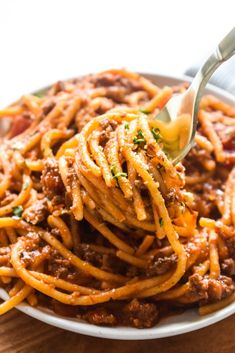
(222, 248)
(160, 233)
(31, 143)
(11, 233)
(165, 251)
(7, 271)
(214, 256)
(16, 288)
(5, 183)
(77, 262)
(197, 179)
(158, 178)
(70, 112)
(34, 166)
(217, 104)
(159, 100)
(112, 155)
(3, 238)
(32, 299)
(15, 300)
(4, 259)
(71, 143)
(87, 200)
(57, 222)
(20, 199)
(99, 157)
(145, 245)
(108, 218)
(203, 142)
(75, 231)
(102, 249)
(50, 138)
(147, 85)
(6, 279)
(157, 198)
(75, 298)
(83, 150)
(211, 308)
(32, 103)
(207, 126)
(11, 111)
(112, 238)
(137, 199)
(62, 284)
(132, 260)
(227, 217)
(74, 188)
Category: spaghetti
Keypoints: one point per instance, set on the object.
(95, 220)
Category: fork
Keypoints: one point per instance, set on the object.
(177, 121)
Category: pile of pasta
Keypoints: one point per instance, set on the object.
(93, 212)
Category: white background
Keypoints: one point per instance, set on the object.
(46, 40)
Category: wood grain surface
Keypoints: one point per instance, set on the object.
(22, 334)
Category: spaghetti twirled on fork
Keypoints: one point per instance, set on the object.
(96, 221)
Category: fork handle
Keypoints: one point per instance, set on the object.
(223, 52)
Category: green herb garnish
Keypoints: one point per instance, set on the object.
(139, 138)
(138, 141)
(156, 134)
(126, 126)
(39, 94)
(17, 211)
(117, 175)
(120, 174)
(161, 222)
(144, 111)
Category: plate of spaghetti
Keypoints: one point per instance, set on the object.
(100, 233)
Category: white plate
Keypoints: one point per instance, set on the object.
(175, 325)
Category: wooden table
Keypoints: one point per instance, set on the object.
(22, 334)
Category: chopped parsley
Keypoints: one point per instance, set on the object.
(156, 134)
(39, 94)
(144, 111)
(126, 126)
(17, 211)
(161, 222)
(139, 138)
(117, 175)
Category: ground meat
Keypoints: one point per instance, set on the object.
(100, 317)
(208, 289)
(110, 80)
(161, 265)
(47, 107)
(228, 267)
(36, 213)
(107, 128)
(85, 252)
(59, 267)
(51, 181)
(141, 315)
(20, 124)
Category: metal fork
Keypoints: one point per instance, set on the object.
(177, 121)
